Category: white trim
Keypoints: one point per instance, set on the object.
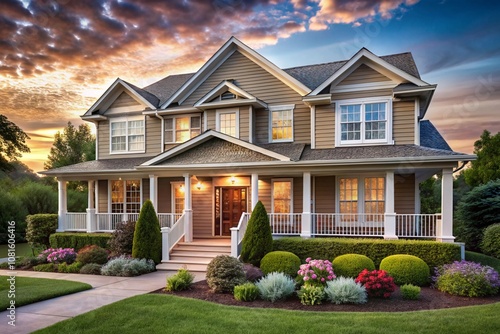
(364, 53)
(126, 119)
(96, 140)
(220, 89)
(418, 204)
(174, 118)
(286, 107)
(313, 127)
(364, 86)
(363, 142)
(173, 184)
(417, 122)
(205, 121)
(320, 99)
(109, 196)
(250, 124)
(236, 111)
(96, 200)
(282, 179)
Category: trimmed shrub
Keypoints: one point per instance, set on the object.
(91, 269)
(28, 262)
(350, 265)
(275, 286)
(78, 240)
(410, 291)
(377, 283)
(126, 267)
(252, 273)
(432, 252)
(491, 241)
(279, 261)
(311, 295)
(39, 228)
(406, 269)
(482, 259)
(467, 279)
(92, 254)
(46, 267)
(147, 235)
(122, 239)
(182, 280)
(315, 272)
(246, 292)
(69, 268)
(224, 272)
(258, 239)
(345, 290)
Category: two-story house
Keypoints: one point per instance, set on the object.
(333, 149)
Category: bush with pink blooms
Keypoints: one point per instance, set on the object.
(377, 283)
(59, 255)
(316, 272)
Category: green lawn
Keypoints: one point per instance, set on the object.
(30, 290)
(22, 249)
(170, 314)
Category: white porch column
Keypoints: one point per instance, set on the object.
(63, 207)
(91, 217)
(390, 215)
(445, 233)
(306, 206)
(153, 191)
(188, 210)
(255, 190)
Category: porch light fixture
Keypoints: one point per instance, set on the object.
(233, 179)
(181, 188)
(198, 185)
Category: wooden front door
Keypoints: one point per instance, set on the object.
(230, 203)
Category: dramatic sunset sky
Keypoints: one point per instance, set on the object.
(58, 56)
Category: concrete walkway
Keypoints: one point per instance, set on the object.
(105, 290)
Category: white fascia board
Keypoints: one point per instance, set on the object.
(416, 90)
(137, 95)
(174, 111)
(232, 103)
(367, 54)
(221, 88)
(207, 136)
(317, 99)
(364, 86)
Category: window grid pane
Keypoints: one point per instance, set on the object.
(179, 130)
(374, 198)
(282, 125)
(363, 122)
(133, 196)
(282, 196)
(348, 198)
(350, 122)
(228, 124)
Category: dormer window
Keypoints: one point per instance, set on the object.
(227, 96)
(127, 135)
(363, 121)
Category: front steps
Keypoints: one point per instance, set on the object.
(196, 255)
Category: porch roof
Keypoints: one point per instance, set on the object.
(104, 165)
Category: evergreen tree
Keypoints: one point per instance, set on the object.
(147, 235)
(258, 239)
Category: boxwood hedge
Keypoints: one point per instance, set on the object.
(79, 240)
(432, 252)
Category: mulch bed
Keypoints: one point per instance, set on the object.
(430, 299)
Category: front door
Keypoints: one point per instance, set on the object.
(230, 203)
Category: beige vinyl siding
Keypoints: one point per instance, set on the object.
(125, 100)
(202, 210)
(261, 126)
(363, 74)
(211, 119)
(244, 123)
(361, 94)
(153, 140)
(102, 196)
(404, 194)
(261, 84)
(324, 196)
(403, 122)
(325, 126)
(165, 194)
(145, 190)
(298, 186)
(265, 193)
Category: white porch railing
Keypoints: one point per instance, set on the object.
(285, 223)
(417, 225)
(339, 224)
(171, 236)
(168, 219)
(106, 222)
(237, 234)
(76, 221)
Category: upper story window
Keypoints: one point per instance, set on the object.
(127, 135)
(228, 122)
(364, 121)
(281, 123)
(182, 128)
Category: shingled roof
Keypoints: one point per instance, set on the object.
(166, 87)
(430, 137)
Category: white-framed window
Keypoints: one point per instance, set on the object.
(282, 190)
(363, 121)
(177, 197)
(125, 196)
(361, 198)
(228, 122)
(127, 135)
(179, 129)
(281, 123)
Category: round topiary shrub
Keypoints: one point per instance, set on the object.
(490, 245)
(92, 254)
(282, 262)
(350, 265)
(406, 269)
(224, 272)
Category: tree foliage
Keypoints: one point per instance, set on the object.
(430, 195)
(12, 143)
(72, 146)
(147, 235)
(477, 210)
(487, 166)
(258, 239)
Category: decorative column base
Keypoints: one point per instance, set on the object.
(390, 227)
(91, 221)
(165, 246)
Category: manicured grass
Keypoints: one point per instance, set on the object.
(30, 290)
(22, 249)
(485, 260)
(171, 314)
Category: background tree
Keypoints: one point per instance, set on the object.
(430, 195)
(12, 143)
(72, 146)
(487, 166)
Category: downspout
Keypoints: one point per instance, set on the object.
(162, 149)
(464, 163)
